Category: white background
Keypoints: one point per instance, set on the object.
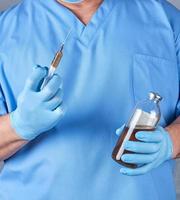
(5, 3)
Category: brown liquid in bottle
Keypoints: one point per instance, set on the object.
(132, 138)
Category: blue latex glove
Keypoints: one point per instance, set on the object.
(155, 148)
(38, 111)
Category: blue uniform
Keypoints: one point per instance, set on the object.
(128, 49)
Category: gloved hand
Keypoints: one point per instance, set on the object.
(155, 148)
(38, 111)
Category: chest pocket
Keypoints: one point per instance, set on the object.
(158, 75)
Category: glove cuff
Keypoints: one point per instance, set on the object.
(169, 145)
(21, 131)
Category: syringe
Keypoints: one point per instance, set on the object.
(54, 64)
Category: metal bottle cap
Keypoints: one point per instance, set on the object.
(155, 96)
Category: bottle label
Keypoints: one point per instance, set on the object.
(145, 120)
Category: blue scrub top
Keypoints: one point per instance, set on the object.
(129, 47)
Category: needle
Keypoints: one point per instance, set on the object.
(55, 62)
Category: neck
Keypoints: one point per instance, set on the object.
(84, 10)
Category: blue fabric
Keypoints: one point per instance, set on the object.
(3, 109)
(177, 42)
(173, 18)
(127, 50)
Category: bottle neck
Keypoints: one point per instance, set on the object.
(156, 101)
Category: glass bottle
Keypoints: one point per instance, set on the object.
(144, 118)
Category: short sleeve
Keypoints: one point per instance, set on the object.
(3, 111)
(178, 62)
(173, 15)
(3, 107)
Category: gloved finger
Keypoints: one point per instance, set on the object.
(119, 130)
(59, 112)
(141, 147)
(139, 158)
(149, 136)
(138, 171)
(35, 79)
(51, 88)
(55, 102)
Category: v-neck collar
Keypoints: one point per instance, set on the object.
(84, 33)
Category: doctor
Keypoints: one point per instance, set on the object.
(56, 143)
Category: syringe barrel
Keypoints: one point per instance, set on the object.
(57, 59)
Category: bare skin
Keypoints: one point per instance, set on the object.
(174, 131)
(10, 142)
(84, 10)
